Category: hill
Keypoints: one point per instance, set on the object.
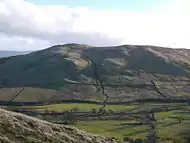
(20, 128)
(65, 68)
(12, 53)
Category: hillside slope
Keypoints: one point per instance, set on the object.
(58, 66)
(19, 128)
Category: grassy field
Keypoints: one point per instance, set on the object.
(168, 125)
(113, 128)
(80, 106)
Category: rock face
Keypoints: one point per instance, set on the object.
(19, 128)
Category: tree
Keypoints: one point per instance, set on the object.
(46, 111)
(69, 117)
(46, 114)
(110, 111)
(103, 111)
(75, 109)
(93, 110)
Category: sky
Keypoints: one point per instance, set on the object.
(27, 25)
(103, 4)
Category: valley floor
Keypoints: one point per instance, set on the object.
(119, 121)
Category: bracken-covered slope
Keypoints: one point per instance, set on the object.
(19, 128)
(51, 69)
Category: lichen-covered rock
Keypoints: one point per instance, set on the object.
(19, 128)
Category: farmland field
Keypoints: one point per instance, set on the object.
(168, 126)
(80, 106)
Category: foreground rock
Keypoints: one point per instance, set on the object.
(19, 128)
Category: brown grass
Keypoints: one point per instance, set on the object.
(19, 128)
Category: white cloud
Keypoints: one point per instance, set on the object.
(21, 43)
(26, 26)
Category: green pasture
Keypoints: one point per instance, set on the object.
(168, 126)
(80, 106)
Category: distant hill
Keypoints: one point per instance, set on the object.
(12, 53)
(20, 128)
(58, 66)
